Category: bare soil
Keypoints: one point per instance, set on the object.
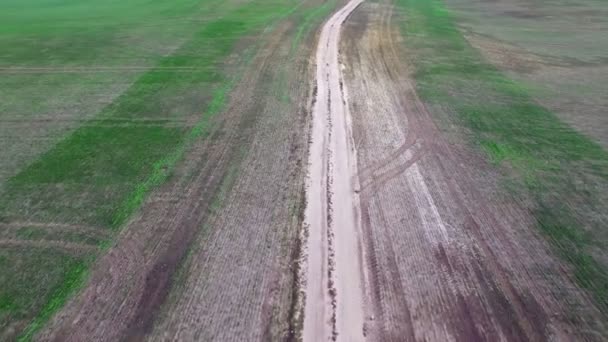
(450, 258)
(334, 281)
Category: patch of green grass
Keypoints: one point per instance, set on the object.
(22, 290)
(94, 166)
(559, 167)
(34, 233)
(100, 156)
(72, 279)
(31, 233)
(69, 31)
(571, 242)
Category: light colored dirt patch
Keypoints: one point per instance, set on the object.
(577, 95)
(335, 280)
(450, 258)
(510, 57)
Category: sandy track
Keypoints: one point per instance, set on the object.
(334, 286)
(449, 257)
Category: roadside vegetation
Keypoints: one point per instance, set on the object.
(562, 171)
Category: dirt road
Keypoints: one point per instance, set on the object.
(334, 307)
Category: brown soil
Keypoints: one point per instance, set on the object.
(449, 257)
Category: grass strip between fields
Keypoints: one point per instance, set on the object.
(547, 160)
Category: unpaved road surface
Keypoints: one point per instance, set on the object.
(410, 237)
(334, 307)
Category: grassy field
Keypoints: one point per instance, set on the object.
(564, 172)
(62, 62)
(115, 91)
(556, 48)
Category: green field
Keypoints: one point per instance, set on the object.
(556, 48)
(100, 100)
(564, 172)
